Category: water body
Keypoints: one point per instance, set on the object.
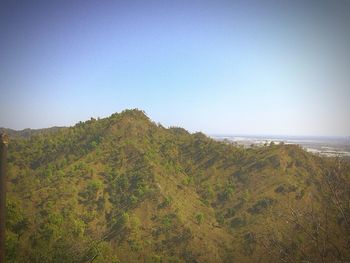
(327, 146)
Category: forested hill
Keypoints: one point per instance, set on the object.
(27, 133)
(125, 189)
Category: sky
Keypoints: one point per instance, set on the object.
(220, 67)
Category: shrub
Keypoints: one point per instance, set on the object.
(168, 200)
(227, 193)
(199, 218)
(92, 188)
(249, 243)
(280, 189)
(230, 212)
(237, 222)
(261, 205)
(220, 218)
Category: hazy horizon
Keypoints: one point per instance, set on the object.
(223, 67)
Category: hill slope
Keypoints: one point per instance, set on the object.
(124, 189)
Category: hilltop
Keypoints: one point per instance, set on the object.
(125, 189)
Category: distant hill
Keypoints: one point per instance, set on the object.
(26, 133)
(125, 189)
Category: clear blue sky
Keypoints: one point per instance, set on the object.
(221, 67)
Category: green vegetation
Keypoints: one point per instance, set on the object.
(261, 205)
(125, 189)
(237, 222)
(199, 218)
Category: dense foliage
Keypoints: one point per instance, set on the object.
(124, 189)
